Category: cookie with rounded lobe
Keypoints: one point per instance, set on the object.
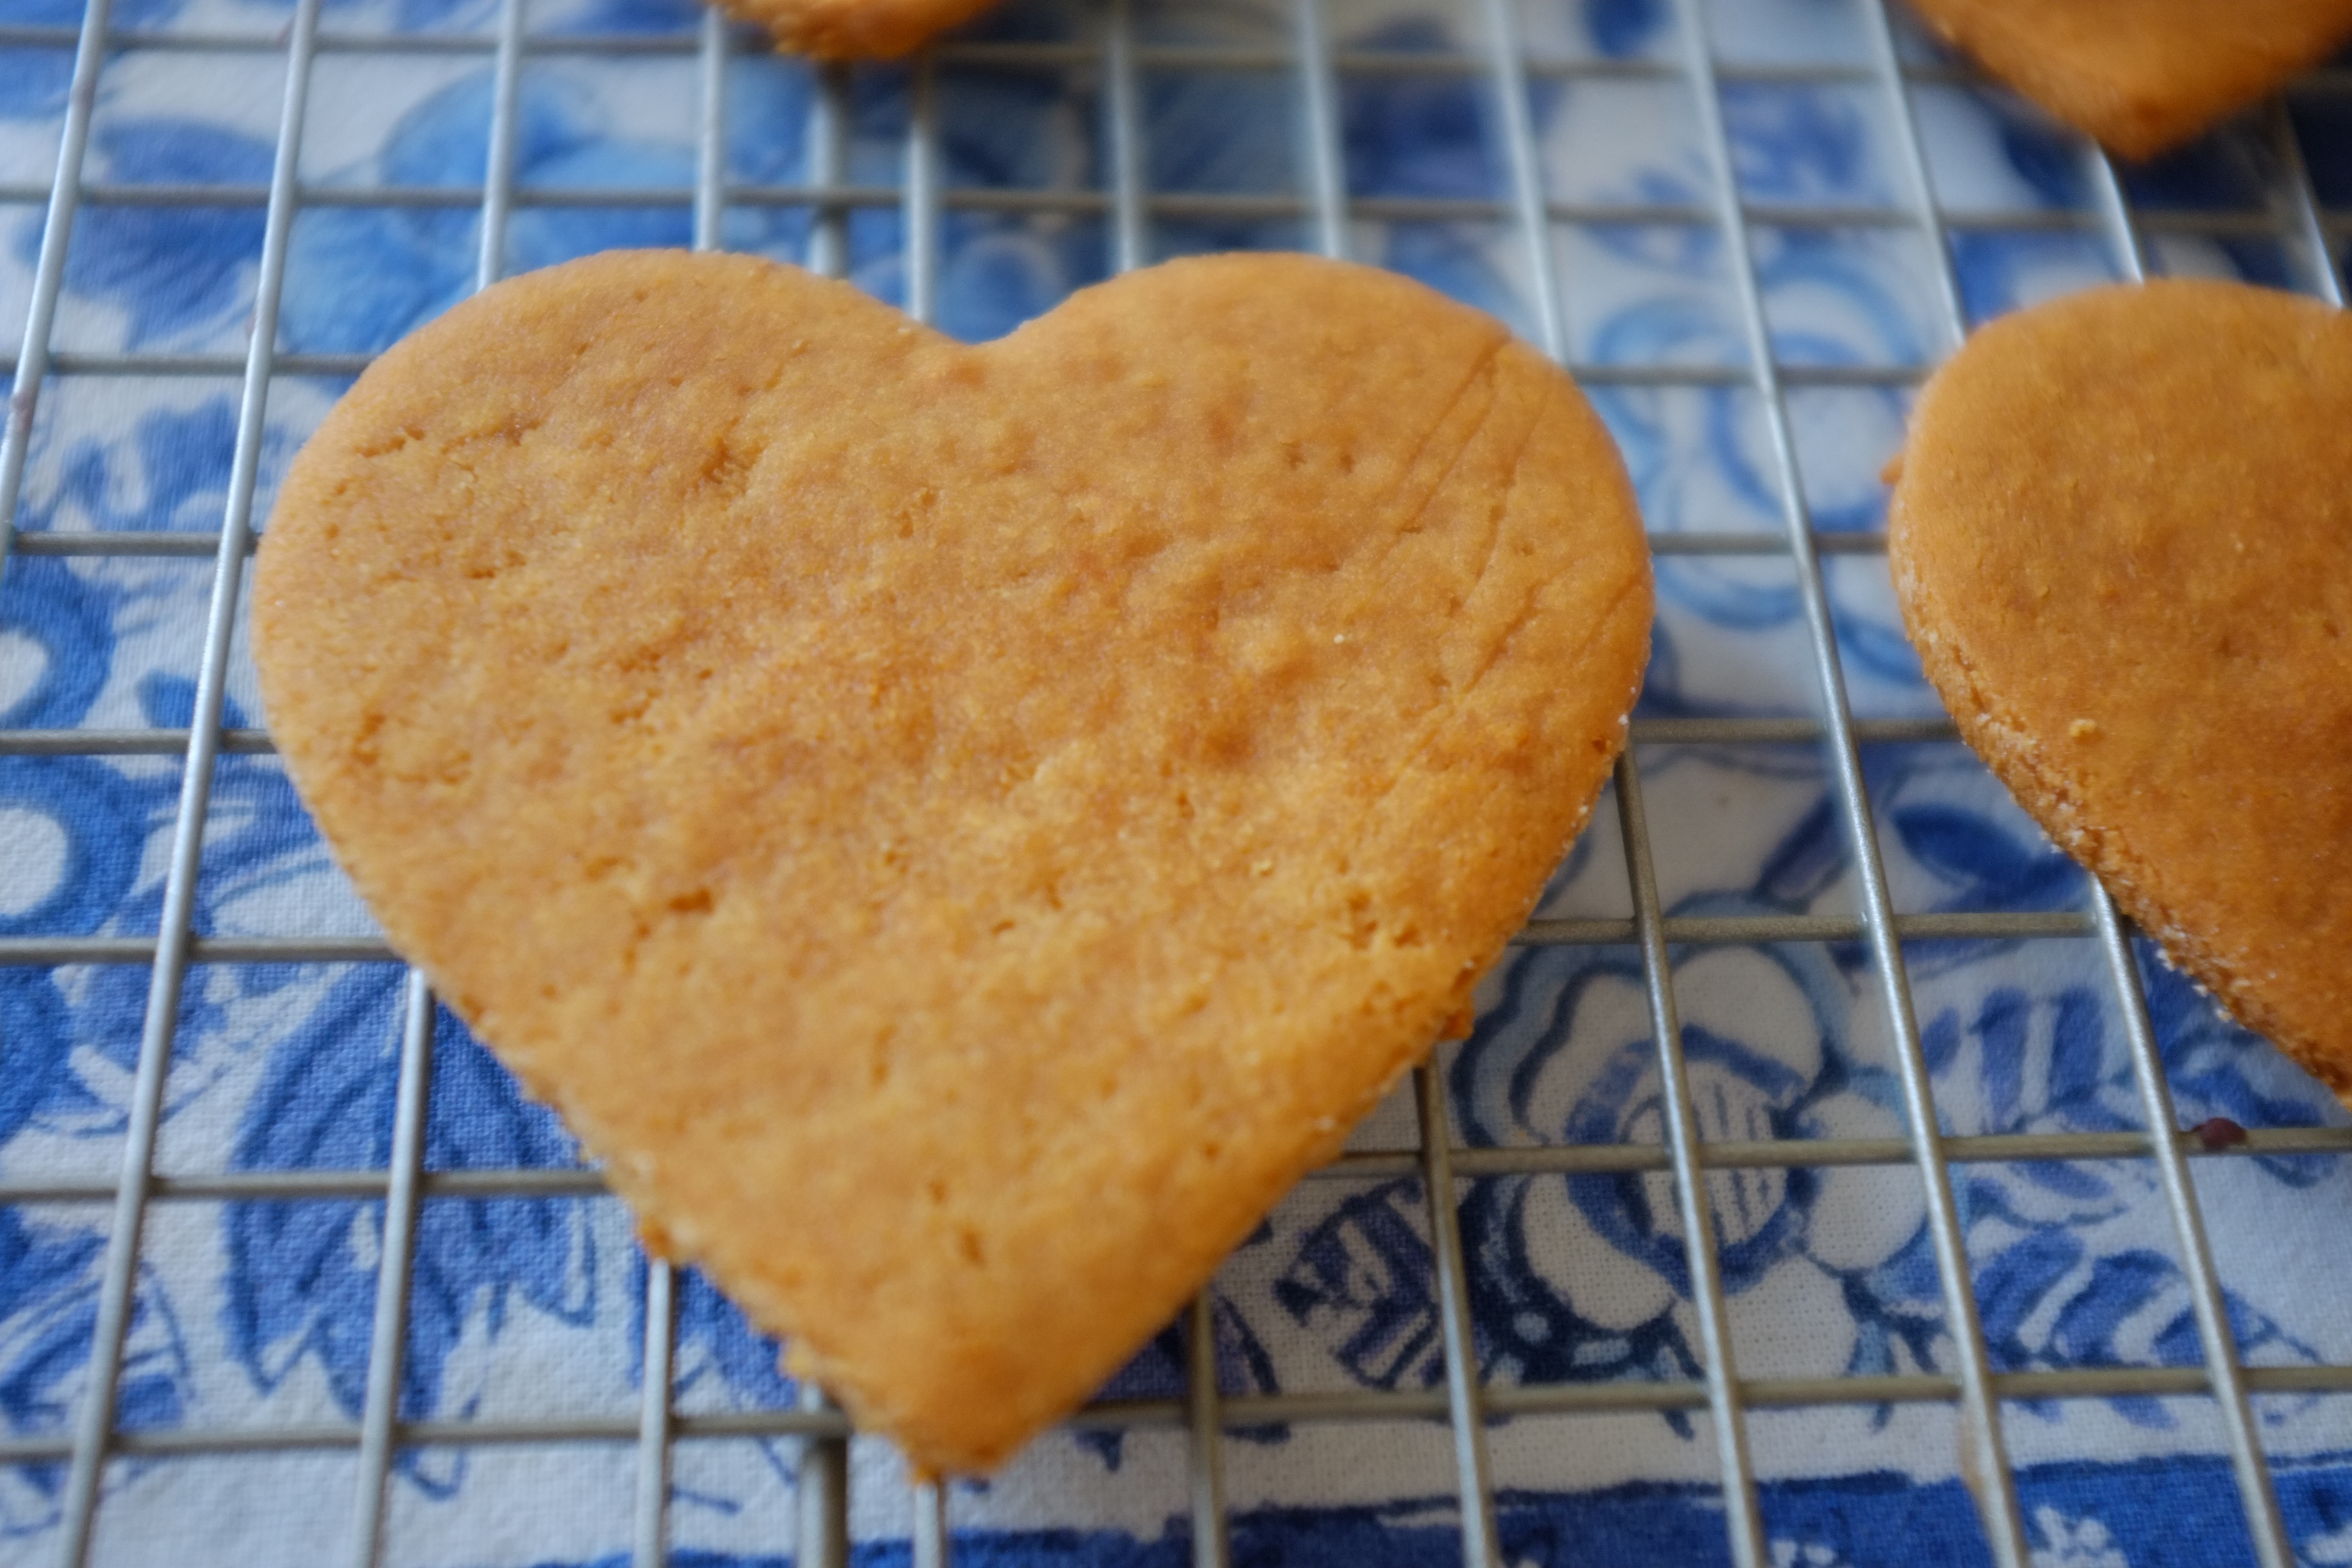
(2120, 536)
(959, 831)
(2142, 76)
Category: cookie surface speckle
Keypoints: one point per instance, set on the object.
(959, 831)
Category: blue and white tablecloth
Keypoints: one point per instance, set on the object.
(255, 1314)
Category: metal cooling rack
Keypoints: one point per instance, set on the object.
(1508, 69)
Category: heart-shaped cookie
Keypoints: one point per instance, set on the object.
(855, 30)
(2122, 536)
(2142, 75)
(959, 831)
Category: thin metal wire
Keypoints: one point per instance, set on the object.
(822, 1534)
(1985, 1463)
(821, 1488)
(2001, 925)
(1173, 203)
(650, 1532)
(48, 950)
(95, 1419)
(2303, 204)
(1989, 925)
(2256, 1492)
(921, 253)
(1123, 136)
(1888, 61)
(122, 743)
(1742, 1518)
(1164, 1415)
(217, 365)
(930, 1544)
(649, 1546)
(1588, 371)
(1004, 55)
(190, 543)
(1740, 1514)
(1206, 1455)
(498, 179)
(1525, 164)
(1326, 189)
(380, 1410)
(710, 134)
(176, 543)
(2228, 1388)
(828, 167)
(1572, 1159)
(1187, 204)
(388, 1348)
(2119, 222)
(1464, 1397)
(1650, 731)
(49, 270)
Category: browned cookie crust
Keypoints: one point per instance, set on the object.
(2122, 538)
(2141, 76)
(959, 831)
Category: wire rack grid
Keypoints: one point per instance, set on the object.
(1507, 70)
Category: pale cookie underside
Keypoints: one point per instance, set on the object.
(2118, 540)
(959, 831)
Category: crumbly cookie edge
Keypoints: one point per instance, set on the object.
(2019, 759)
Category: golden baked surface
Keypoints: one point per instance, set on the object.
(960, 831)
(2141, 76)
(855, 30)
(2122, 538)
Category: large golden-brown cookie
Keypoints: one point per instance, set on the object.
(2143, 75)
(855, 30)
(2122, 536)
(959, 831)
